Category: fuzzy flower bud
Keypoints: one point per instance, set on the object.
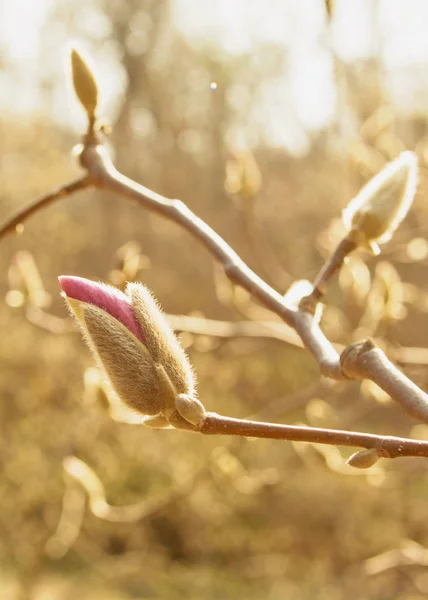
(132, 343)
(376, 212)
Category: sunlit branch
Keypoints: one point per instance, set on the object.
(332, 265)
(371, 363)
(386, 446)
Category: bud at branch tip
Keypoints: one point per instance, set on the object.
(84, 83)
(378, 209)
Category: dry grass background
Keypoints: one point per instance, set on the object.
(251, 519)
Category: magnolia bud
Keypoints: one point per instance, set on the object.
(84, 83)
(375, 213)
(132, 342)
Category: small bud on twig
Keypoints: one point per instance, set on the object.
(363, 459)
(133, 344)
(375, 213)
(84, 83)
(190, 409)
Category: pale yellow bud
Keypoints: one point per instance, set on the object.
(191, 409)
(84, 83)
(364, 459)
(376, 212)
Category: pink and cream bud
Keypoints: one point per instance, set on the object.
(130, 337)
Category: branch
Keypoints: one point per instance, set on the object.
(332, 265)
(385, 446)
(98, 505)
(12, 224)
(371, 363)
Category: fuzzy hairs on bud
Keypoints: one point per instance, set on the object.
(160, 340)
(125, 360)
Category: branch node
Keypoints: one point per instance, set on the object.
(352, 358)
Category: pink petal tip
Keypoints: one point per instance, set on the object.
(110, 299)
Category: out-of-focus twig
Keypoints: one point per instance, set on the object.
(47, 321)
(236, 329)
(405, 355)
(11, 225)
(81, 480)
(69, 524)
(86, 477)
(410, 553)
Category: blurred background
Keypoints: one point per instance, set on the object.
(265, 117)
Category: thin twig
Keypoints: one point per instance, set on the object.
(234, 329)
(22, 215)
(98, 505)
(386, 446)
(332, 265)
(49, 322)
